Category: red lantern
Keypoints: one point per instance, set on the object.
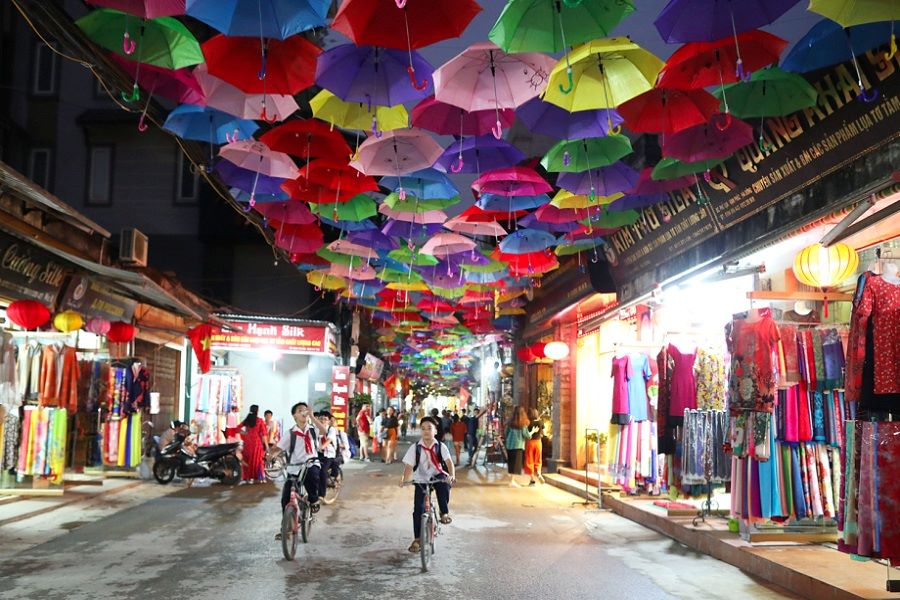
(120, 332)
(28, 314)
(538, 349)
(524, 354)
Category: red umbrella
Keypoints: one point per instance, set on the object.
(306, 139)
(299, 238)
(337, 176)
(302, 189)
(403, 23)
(647, 186)
(291, 212)
(179, 85)
(668, 111)
(708, 141)
(551, 214)
(446, 119)
(702, 64)
(473, 214)
(512, 181)
(277, 67)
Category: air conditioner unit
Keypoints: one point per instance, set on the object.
(133, 247)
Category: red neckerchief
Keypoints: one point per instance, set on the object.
(307, 439)
(434, 459)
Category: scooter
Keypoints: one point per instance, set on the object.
(218, 461)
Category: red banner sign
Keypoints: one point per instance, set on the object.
(340, 396)
(283, 337)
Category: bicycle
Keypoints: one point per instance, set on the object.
(275, 465)
(333, 486)
(297, 515)
(431, 525)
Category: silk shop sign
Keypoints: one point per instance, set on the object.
(29, 273)
(340, 396)
(799, 149)
(283, 337)
(95, 299)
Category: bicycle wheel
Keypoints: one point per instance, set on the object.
(305, 522)
(434, 529)
(333, 489)
(426, 540)
(274, 467)
(288, 535)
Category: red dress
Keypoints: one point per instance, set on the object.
(253, 452)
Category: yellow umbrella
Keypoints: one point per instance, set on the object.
(356, 115)
(325, 280)
(408, 286)
(566, 199)
(511, 311)
(848, 13)
(603, 73)
(507, 296)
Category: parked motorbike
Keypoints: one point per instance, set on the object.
(218, 461)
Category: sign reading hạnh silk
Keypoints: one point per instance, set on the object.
(283, 337)
(799, 149)
(340, 395)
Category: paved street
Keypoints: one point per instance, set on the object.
(214, 542)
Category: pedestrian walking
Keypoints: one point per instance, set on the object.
(378, 433)
(516, 434)
(273, 431)
(364, 426)
(404, 421)
(534, 449)
(391, 426)
(253, 431)
(458, 431)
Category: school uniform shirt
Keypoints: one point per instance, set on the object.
(428, 457)
(329, 443)
(304, 447)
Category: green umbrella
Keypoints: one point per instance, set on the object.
(413, 204)
(338, 258)
(406, 256)
(670, 168)
(163, 41)
(770, 92)
(491, 267)
(568, 249)
(554, 25)
(612, 219)
(581, 155)
(356, 209)
(450, 293)
(395, 276)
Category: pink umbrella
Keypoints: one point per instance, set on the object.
(551, 214)
(483, 228)
(512, 181)
(223, 96)
(351, 249)
(446, 119)
(428, 216)
(361, 272)
(397, 152)
(443, 245)
(257, 157)
(148, 9)
(179, 85)
(291, 212)
(708, 141)
(484, 77)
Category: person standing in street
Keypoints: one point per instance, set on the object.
(253, 430)
(364, 426)
(516, 434)
(391, 426)
(273, 431)
(534, 448)
(404, 421)
(378, 431)
(458, 431)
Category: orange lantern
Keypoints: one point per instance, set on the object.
(28, 314)
(824, 268)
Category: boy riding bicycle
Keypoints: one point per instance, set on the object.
(301, 444)
(425, 460)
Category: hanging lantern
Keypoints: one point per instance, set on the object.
(556, 350)
(28, 314)
(824, 268)
(98, 326)
(537, 349)
(524, 354)
(120, 332)
(68, 321)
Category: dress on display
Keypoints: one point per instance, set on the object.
(709, 373)
(682, 387)
(621, 374)
(638, 403)
(753, 344)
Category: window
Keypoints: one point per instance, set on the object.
(100, 169)
(39, 167)
(44, 75)
(188, 181)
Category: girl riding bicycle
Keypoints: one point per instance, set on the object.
(425, 460)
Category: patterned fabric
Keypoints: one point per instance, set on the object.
(881, 301)
(788, 335)
(709, 374)
(753, 368)
(10, 441)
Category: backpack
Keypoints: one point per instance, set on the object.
(419, 452)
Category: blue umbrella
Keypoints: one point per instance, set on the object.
(415, 232)
(191, 122)
(827, 44)
(425, 184)
(493, 277)
(372, 238)
(526, 241)
(366, 289)
(244, 196)
(709, 20)
(558, 123)
(479, 154)
(278, 19)
(373, 75)
(497, 203)
(605, 181)
(363, 225)
(236, 177)
(532, 222)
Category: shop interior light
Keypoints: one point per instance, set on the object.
(269, 354)
(556, 350)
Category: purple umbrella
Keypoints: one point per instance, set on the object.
(709, 20)
(374, 239)
(464, 258)
(708, 141)
(605, 181)
(415, 232)
(441, 276)
(373, 75)
(532, 222)
(636, 202)
(242, 179)
(560, 124)
(477, 154)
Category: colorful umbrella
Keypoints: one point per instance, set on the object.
(147, 9)
(611, 220)
(290, 212)
(680, 174)
(277, 67)
(324, 280)
(707, 141)
(492, 228)
(856, 12)
(398, 152)
(631, 202)
(260, 18)
(337, 175)
(356, 209)
(257, 157)
(242, 179)
(372, 75)
(307, 139)
(354, 115)
(668, 111)
(508, 204)
(478, 154)
(770, 92)
(647, 185)
(244, 196)
(425, 184)
(525, 241)
(352, 249)
(303, 189)
(708, 20)
(360, 272)
(473, 214)
(532, 222)
(424, 217)
(415, 204)
(483, 77)
(364, 225)
(223, 96)
(602, 74)
(179, 86)
(554, 26)
(299, 238)
(617, 177)
(446, 119)
(372, 239)
(564, 199)
(190, 122)
(413, 232)
(552, 214)
(553, 121)
(827, 44)
(584, 154)
(514, 181)
(410, 257)
(443, 245)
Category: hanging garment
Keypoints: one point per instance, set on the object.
(621, 373)
(68, 385)
(682, 387)
(875, 338)
(788, 334)
(10, 441)
(48, 391)
(752, 380)
(665, 368)
(638, 402)
(709, 374)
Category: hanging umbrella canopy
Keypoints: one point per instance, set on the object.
(556, 215)
(326, 281)
(769, 93)
(425, 217)
(372, 75)
(337, 175)
(163, 41)
(355, 209)
(575, 248)
(492, 228)
(363, 225)
(395, 276)
(414, 232)
(357, 115)
(708, 141)
(856, 12)
(147, 9)
(532, 222)
(290, 212)
(190, 122)
(445, 244)
(525, 241)
(611, 220)
(513, 181)
(243, 179)
(223, 96)
(372, 239)
(289, 65)
(245, 196)
(827, 44)
(410, 257)
(299, 239)
(553, 26)
(260, 18)
(178, 86)
(617, 177)
(602, 74)
(446, 119)
(478, 154)
(708, 20)
(425, 184)
(398, 152)
(484, 77)
(473, 214)
(306, 191)
(558, 123)
(565, 199)
(647, 185)
(585, 154)
(416, 204)
(359, 272)
(256, 156)
(508, 204)
(352, 249)
(306, 139)
(669, 168)
(698, 65)
(632, 202)
(668, 111)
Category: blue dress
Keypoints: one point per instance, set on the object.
(637, 387)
